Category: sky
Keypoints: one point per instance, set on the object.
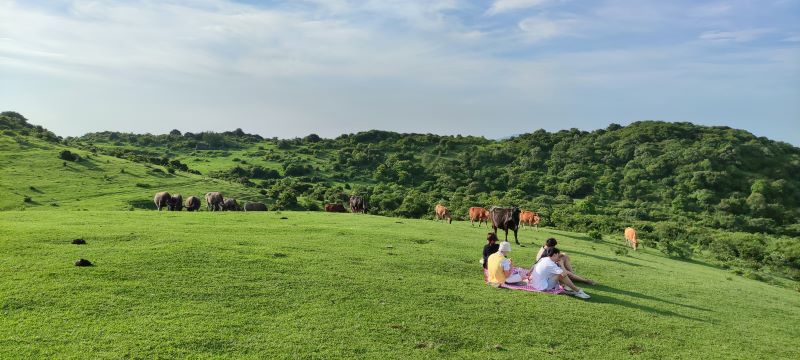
(493, 68)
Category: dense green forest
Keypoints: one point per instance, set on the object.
(689, 189)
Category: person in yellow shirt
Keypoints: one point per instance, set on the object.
(500, 268)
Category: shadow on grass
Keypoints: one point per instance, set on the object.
(644, 297)
(697, 262)
(602, 299)
(607, 259)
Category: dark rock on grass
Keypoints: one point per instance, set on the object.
(79, 242)
(83, 262)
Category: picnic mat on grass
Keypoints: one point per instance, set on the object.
(525, 287)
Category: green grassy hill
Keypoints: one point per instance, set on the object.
(318, 285)
(32, 169)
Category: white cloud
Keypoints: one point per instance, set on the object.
(541, 28)
(735, 36)
(501, 6)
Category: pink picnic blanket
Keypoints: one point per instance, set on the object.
(526, 287)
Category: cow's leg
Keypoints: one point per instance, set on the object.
(515, 236)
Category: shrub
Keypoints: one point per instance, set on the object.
(68, 156)
(27, 199)
(676, 248)
(595, 235)
(143, 185)
(621, 251)
(171, 170)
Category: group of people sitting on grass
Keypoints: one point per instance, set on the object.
(551, 268)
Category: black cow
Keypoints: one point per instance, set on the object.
(358, 204)
(506, 218)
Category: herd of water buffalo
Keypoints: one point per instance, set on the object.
(216, 202)
(504, 218)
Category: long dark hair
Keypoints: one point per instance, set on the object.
(550, 252)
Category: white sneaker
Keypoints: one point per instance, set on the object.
(569, 292)
(582, 295)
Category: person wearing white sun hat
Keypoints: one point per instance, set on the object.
(500, 268)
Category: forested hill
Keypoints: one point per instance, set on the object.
(649, 170)
(672, 180)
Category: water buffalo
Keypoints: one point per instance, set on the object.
(478, 214)
(443, 213)
(214, 201)
(192, 203)
(176, 203)
(358, 204)
(162, 199)
(230, 205)
(506, 218)
(334, 208)
(255, 206)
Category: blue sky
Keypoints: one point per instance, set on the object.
(492, 68)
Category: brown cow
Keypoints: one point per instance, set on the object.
(478, 214)
(335, 208)
(529, 218)
(442, 212)
(630, 237)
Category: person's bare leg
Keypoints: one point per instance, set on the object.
(575, 277)
(564, 280)
(566, 263)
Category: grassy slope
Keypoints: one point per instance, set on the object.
(343, 285)
(96, 183)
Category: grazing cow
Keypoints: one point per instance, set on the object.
(443, 213)
(529, 218)
(214, 201)
(478, 214)
(162, 199)
(335, 208)
(630, 237)
(358, 204)
(192, 203)
(176, 203)
(506, 218)
(255, 206)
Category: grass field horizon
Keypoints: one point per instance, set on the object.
(324, 285)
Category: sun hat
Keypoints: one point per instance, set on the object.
(505, 246)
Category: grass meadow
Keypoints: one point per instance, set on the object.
(31, 169)
(319, 285)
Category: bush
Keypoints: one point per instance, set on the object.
(595, 235)
(621, 251)
(27, 199)
(68, 156)
(143, 185)
(171, 170)
(676, 248)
